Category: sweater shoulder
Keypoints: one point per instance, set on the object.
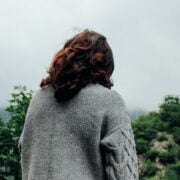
(93, 94)
(112, 99)
(103, 95)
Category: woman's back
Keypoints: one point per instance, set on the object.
(88, 137)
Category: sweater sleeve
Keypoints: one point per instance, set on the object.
(27, 118)
(118, 144)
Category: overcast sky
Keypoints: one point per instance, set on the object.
(144, 36)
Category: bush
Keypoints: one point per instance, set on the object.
(141, 146)
(162, 136)
(150, 168)
(152, 154)
(176, 134)
(173, 150)
(170, 111)
(146, 127)
(164, 157)
(163, 126)
(156, 177)
(171, 175)
(175, 167)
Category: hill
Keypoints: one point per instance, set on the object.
(157, 137)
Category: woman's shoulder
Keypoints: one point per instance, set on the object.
(104, 95)
(42, 90)
(41, 93)
(91, 93)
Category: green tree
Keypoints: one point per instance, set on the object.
(157, 137)
(145, 129)
(10, 133)
(170, 111)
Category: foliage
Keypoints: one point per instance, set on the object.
(152, 154)
(150, 168)
(171, 175)
(10, 133)
(162, 136)
(176, 134)
(170, 111)
(157, 136)
(141, 145)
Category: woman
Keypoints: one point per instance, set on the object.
(76, 126)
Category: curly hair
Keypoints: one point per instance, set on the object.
(85, 58)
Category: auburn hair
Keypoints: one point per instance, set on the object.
(85, 58)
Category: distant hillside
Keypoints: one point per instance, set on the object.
(3, 114)
(157, 137)
(136, 113)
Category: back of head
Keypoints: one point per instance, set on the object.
(85, 58)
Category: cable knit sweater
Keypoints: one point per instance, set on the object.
(87, 138)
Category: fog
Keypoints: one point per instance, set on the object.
(144, 37)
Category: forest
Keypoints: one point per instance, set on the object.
(157, 137)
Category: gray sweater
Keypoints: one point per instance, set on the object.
(87, 138)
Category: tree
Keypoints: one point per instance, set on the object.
(10, 133)
(170, 111)
(157, 137)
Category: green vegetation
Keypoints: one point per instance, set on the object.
(9, 134)
(157, 136)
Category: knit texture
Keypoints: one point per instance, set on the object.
(86, 138)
